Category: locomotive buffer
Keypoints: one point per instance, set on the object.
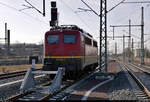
(28, 84)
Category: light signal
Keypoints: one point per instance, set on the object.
(54, 14)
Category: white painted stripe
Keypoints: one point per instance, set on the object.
(11, 83)
(44, 72)
(93, 88)
(64, 98)
(70, 89)
(17, 81)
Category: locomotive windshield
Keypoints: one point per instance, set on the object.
(69, 38)
(52, 39)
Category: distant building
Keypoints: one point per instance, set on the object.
(1, 49)
(137, 52)
(22, 50)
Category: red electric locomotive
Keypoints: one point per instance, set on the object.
(69, 47)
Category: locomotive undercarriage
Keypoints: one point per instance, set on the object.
(72, 66)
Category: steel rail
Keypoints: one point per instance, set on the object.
(140, 84)
(148, 73)
(145, 66)
(13, 74)
(44, 98)
(13, 98)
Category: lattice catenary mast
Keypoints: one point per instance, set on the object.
(103, 35)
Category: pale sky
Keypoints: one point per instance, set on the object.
(29, 26)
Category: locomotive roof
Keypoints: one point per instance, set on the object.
(71, 27)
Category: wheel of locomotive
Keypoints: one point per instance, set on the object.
(92, 67)
(95, 65)
(75, 75)
(67, 75)
(71, 75)
(51, 76)
(80, 73)
(87, 69)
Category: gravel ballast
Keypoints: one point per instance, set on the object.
(13, 89)
(121, 88)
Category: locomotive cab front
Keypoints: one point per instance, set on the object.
(62, 49)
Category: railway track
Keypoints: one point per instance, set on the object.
(42, 94)
(141, 68)
(13, 74)
(142, 78)
(25, 94)
(146, 68)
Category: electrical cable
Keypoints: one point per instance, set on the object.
(88, 13)
(76, 14)
(13, 8)
(8, 6)
(131, 14)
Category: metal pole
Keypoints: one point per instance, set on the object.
(8, 42)
(115, 49)
(5, 31)
(123, 48)
(139, 44)
(132, 51)
(142, 37)
(43, 7)
(103, 35)
(100, 42)
(113, 32)
(6, 38)
(106, 36)
(129, 41)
